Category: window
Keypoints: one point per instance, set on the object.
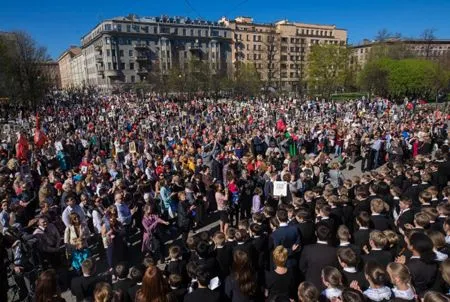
(115, 66)
(108, 52)
(119, 27)
(107, 26)
(165, 30)
(107, 40)
(122, 66)
(184, 31)
(130, 53)
(113, 52)
(192, 32)
(131, 66)
(255, 56)
(254, 46)
(128, 27)
(133, 79)
(121, 53)
(199, 32)
(283, 58)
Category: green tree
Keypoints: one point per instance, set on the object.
(247, 80)
(327, 68)
(374, 77)
(400, 78)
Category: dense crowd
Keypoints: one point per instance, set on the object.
(95, 173)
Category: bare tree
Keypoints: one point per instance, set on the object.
(428, 37)
(272, 49)
(383, 35)
(23, 59)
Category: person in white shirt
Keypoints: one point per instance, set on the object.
(72, 206)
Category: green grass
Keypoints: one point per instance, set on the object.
(347, 96)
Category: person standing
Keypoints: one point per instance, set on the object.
(75, 239)
(185, 214)
(151, 241)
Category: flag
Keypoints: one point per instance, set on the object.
(22, 148)
(39, 136)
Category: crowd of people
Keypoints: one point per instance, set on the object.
(94, 174)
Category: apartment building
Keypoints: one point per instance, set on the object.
(280, 50)
(126, 49)
(433, 49)
(65, 68)
(78, 71)
(256, 44)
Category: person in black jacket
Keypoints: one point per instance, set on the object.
(176, 287)
(136, 275)
(422, 264)
(361, 236)
(185, 212)
(406, 215)
(83, 287)
(286, 236)
(176, 264)
(260, 243)
(316, 256)
(202, 293)
(223, 255)
(349, 263)
(305, 226)
(379, 221)
(378, 242)
(123, 283)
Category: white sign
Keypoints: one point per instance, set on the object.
(280, 188)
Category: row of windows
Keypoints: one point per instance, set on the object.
(165, 30)
(316, 32)
(256, 38)
(292, 58)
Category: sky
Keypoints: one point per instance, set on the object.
(57, 24)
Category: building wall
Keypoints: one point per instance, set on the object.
(65, 70)
(127, 50)
(419, 48)
(280, 51)
(78, 69)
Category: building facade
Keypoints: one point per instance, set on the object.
(126, 49)
(433, 49)
(65, 66)
(279, 51)
(78, 71)
(296, 40)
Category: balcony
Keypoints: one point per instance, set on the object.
(98, 58)
(142, 71)
(196, 47)
(140, 46)
(141, 58)
(112, 73)
(98, 47)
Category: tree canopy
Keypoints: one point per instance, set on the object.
(22, 77)
(406, 77)
(327, 68)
